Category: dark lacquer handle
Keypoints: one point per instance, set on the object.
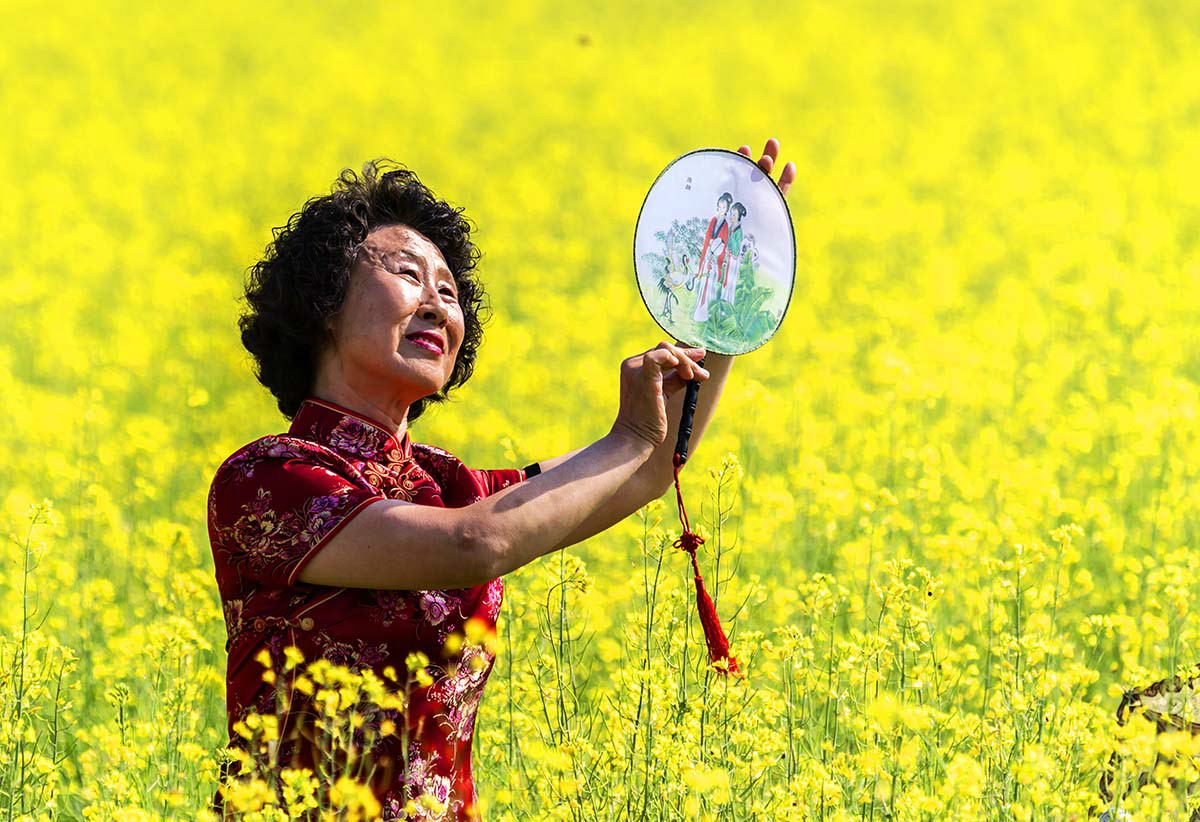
(685, 420)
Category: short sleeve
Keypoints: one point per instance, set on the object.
(494, 479)
(269, 516)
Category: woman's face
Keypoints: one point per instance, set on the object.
(400, 327)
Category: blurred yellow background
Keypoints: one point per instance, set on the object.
(959, 487)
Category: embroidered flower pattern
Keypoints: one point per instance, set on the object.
(461, 691)
(397, 480)
(435, 605)
(268, 536)
(391, 606)
(423, 780)
(354, 655)
(356, 437)
(493, 595)
(233, 614)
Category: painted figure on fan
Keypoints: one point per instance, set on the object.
(733, 256)
(666, 285)
(712, 257)
(677, 273)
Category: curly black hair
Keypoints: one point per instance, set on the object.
(301, 281)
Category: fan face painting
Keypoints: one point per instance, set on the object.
(715, 252)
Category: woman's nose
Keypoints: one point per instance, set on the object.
(433, 310)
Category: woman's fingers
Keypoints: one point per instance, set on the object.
(672, 385)
(787, 178)
(686, 351)
(767, 163)
(673, 359)
(770, 153)
(689, 369)
(665, 356)
(667, 360)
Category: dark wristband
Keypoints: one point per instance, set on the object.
(532, 470)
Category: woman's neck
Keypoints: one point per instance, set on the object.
(391, 415)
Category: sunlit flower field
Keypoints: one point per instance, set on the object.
(951, 510)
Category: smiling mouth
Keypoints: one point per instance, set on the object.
(429, 342)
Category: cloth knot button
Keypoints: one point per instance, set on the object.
(260, 624)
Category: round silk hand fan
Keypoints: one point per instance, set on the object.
(714, 254)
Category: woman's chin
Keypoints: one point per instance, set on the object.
(420, 381)
(420, 387)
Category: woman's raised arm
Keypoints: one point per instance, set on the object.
(657, 473)
(394, 544)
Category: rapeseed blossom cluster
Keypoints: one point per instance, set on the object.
(950, 512)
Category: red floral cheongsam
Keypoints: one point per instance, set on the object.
(272, 505)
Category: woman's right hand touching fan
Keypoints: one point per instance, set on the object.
(647, 380)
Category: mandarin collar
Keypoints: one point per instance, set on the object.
(348, 432)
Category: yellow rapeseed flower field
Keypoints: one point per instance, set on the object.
(951, 511)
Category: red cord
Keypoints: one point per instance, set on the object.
(714, 636)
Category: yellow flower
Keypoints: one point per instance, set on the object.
(354, 799)
(965, 776)
(293, 657)
(884, 711)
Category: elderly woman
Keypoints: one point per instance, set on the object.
(345, 539)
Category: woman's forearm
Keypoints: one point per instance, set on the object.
(393, 544)
(655, 475)
(397, 544)
(524, 521)
(658, 471)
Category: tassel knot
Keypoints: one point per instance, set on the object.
(689, 542)
(714, 636)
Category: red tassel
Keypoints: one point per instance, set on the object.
(714, 635)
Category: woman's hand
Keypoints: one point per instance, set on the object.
(767, 163)
(647, 380)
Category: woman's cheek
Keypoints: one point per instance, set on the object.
(460, 327)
